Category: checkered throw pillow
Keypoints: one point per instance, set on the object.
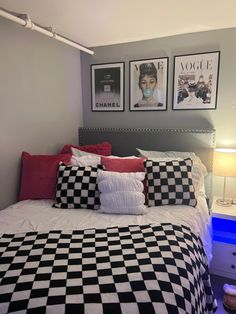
(77, 187)
(170, 182)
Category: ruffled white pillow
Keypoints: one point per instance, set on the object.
(121, 193)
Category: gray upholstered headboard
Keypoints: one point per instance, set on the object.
(125, 141)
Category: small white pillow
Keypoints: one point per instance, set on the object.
(121, 193)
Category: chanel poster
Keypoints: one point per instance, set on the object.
(196, 81)
(107, 87)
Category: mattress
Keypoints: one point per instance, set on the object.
(81, 261)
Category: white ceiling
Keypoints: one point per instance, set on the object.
(104, 22)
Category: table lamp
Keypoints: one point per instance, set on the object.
(224, 165)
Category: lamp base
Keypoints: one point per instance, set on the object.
(223, 202)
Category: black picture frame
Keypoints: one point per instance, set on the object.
(146, 95)
(195, 81)
(107, 87)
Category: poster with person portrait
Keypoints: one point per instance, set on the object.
(107, 87)
(196, 81)
(148, 84)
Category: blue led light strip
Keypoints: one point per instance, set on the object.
(220, 224)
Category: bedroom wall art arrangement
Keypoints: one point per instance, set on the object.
(220, 40)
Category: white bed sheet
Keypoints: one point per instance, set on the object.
(39, 215)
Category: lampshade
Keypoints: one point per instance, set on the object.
(224, 163)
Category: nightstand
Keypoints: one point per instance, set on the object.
(224, 240)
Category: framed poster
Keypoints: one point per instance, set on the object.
(196, 81)
(107, 86)
(148, 84)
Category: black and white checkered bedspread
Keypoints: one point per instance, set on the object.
(135, 269)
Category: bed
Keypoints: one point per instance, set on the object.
(55, 260)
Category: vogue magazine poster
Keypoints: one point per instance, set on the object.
(196, 81)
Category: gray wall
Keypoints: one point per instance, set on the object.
(40, 100)
(223, 119)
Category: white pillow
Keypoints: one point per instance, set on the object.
(84, 161)
(113, 175)
(79, 153)
(125, 202)
(113, 183)
(157, 154)
(121, 193)
(198, 174)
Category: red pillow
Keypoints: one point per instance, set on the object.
(39, 175)
(103, 149)
(123, 164)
